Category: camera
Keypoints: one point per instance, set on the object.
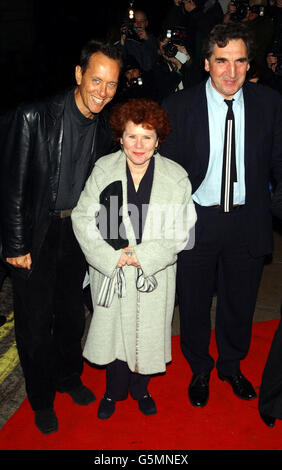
(130, 30)
(134, 82)
(170, 49)
(242, 8)
(259, 10)
(175, 36)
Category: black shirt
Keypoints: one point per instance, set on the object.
(78, 141)
(139, 199)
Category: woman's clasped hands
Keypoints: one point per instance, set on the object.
(128, 257)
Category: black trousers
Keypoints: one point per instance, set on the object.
(4, 272)
(220, 260)
(120, 380)
(270, 394)
(50, 317)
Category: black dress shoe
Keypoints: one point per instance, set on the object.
(198, 390)
(242, 388)
(106, 408)
(46, 421)
(2, 320)
(268, 420)
(81, 395)
(147, 405)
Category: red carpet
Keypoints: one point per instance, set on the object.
(225, 423)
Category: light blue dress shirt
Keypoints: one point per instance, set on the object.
(209, 192)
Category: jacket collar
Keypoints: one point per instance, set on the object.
(56, 106)
(161, 180)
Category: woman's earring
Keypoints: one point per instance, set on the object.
(121, 147)
(156, 150)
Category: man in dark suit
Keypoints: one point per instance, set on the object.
(270, 394)
(48, 150)
(234, 226)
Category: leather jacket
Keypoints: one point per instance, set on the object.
(30, 159)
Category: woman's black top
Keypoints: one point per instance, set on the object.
(138, 200)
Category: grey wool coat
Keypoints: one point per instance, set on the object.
(136, 328)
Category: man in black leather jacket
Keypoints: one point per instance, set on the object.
(48, 149)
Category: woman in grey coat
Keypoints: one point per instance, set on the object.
(133, 217)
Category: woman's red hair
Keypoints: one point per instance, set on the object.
(142, 111)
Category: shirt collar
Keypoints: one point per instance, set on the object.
(216, 98)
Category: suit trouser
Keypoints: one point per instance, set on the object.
(50, 316)
(120, 380)
(220, 260)
(270, 395)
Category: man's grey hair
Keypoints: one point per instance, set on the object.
(221, 34)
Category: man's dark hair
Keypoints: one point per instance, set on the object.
(221, 34)
(93, 46)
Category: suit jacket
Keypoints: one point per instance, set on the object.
(188, 144)
(31, 150)
(277, 201)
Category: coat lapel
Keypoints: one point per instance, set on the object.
(119, 173)
(55, 126)
(202, 129)
(160, 182)
(253, 120)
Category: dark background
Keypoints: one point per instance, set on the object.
(40, 41)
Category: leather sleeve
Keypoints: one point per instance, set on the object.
(16, 145)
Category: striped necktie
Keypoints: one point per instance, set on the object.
(229, 174)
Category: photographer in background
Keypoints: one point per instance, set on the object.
(176, 15)
(261, 25)
(174, 69)
(135, 82)
(276, 15)
(275, 9)
(236, 11)
(136, 41)
(257, 18)
(273, 75)
(202, 16)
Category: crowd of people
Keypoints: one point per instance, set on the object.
(171, 192)
(173, 59)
